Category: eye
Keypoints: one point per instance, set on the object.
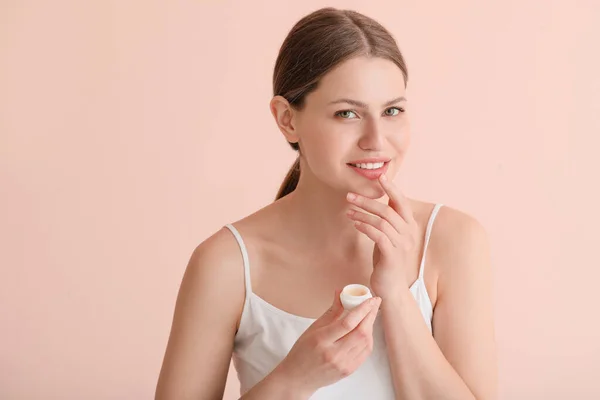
(400, 110)
(344, 113)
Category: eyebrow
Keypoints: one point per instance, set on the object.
(364, 105)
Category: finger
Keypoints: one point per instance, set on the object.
(360, 353)
(342, 326)
(357, 355)
(380, 238)
(398, 202)
(361, 356)
(366, 325)
(376, 222)
(381, 210)
(354, 341)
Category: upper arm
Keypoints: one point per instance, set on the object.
(207, 309)
(463, 320)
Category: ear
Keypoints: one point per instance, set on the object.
(284, 117)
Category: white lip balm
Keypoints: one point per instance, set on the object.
(353, 295)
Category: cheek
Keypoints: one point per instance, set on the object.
(327, 141)
(313, 143)
(400, 140)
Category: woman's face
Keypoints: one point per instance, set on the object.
(358, 112)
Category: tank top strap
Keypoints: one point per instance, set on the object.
(244, 251)
(434, 213)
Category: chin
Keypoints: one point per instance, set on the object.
(374, 192)
(370, 189)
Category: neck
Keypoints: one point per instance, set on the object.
(317, 216)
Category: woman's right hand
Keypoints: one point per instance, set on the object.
(332, 348)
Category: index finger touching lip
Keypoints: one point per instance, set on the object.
(398, 201)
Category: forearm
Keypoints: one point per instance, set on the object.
(275, 387)
(418, 366)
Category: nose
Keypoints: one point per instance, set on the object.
(372, 137)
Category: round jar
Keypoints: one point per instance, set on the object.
(353, 295)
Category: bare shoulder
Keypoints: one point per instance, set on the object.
(450, 225)
(459, 244)
(214, 275)
(455, 227)
(221, 246)
(217, 262)
(458, 218)
(457, 238)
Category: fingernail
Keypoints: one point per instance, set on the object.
(351, 196)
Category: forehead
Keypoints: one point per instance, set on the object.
(372, 80)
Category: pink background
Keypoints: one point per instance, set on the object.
(132, 130)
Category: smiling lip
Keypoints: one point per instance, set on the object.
(371, 174)
(370, 160)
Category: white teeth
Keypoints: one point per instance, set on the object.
(369, 165)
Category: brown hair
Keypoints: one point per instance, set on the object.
(315, 45)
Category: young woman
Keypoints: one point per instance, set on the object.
(265, 290)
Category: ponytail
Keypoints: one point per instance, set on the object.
(291, 180)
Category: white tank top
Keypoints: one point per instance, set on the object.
(266, 334)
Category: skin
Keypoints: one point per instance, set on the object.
(308, 241)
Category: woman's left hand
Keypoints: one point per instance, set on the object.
(394, 231)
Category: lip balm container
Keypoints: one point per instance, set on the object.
(353, 295)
